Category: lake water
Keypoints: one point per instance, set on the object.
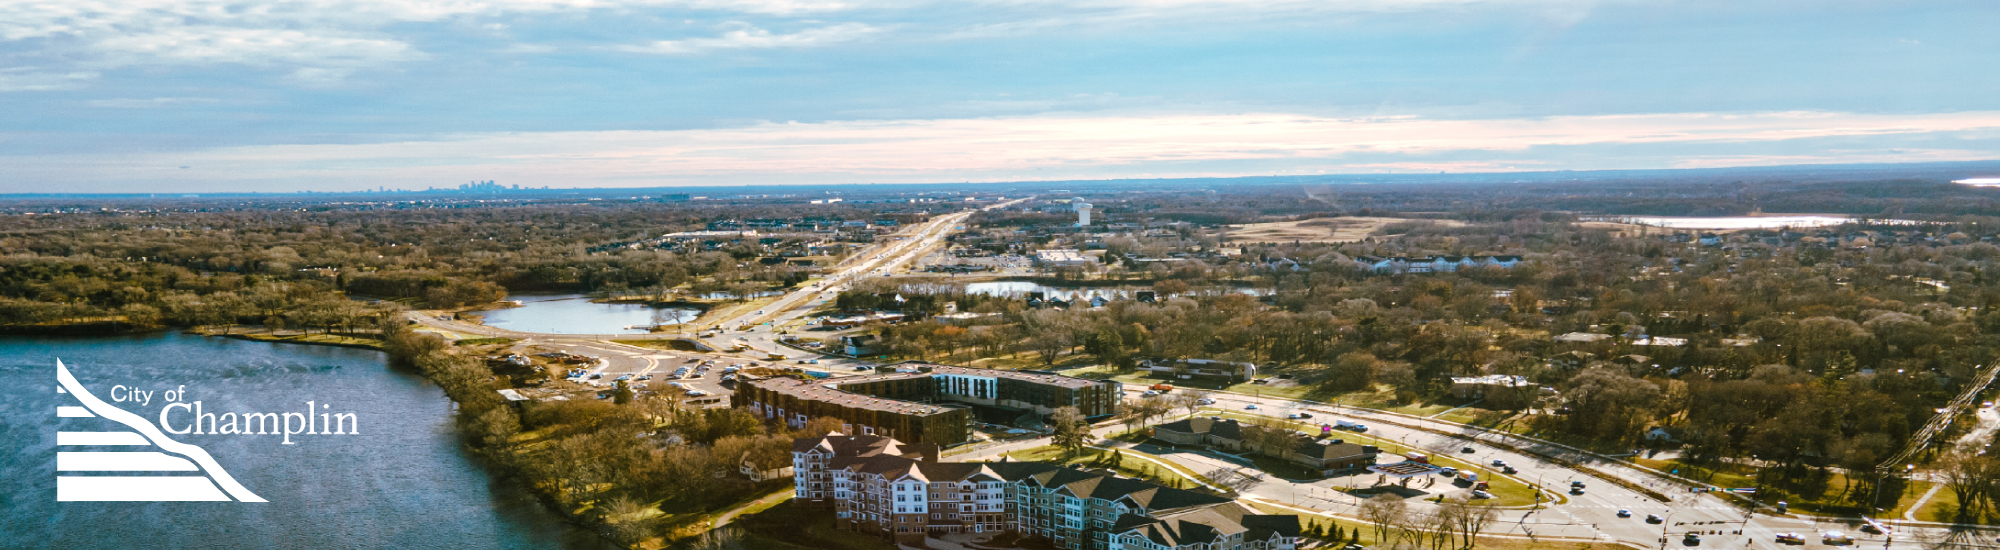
(1018, 289)
(1732, 222)
(576, 314)
(403, 482)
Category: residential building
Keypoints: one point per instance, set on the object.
(1499, 390)
(923, 402)
(879, 486)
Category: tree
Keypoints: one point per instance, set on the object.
(1383, 511)
(1068, 430)
(1190, 399)
(1139, 412)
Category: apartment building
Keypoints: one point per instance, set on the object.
(879, 486)
(923, 402)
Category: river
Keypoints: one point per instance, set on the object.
(403, 481)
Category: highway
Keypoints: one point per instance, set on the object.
(1589, 516)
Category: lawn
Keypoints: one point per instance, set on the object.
(1348, 527)
(1829, 503)
(785, 526)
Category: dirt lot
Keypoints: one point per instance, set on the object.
(1319, 230)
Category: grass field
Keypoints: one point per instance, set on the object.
(1320, 230)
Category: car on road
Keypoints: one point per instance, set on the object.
(1577, 483)
(1831, 538)
(861, 368)
(1576, 490)
(1655, 518)
(596, 376)
(645, 377)
(1691, 539)
(1481, 494)
(1250, 407)
(1467, 450)
(1498, 462)
(1204, 401)
(802, 361)
(1624, 513)
(1305, 415)
(1791, 538)
(1150, 393)
(1509, 470)
(624, 377)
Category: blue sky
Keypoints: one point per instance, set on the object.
(224, 95)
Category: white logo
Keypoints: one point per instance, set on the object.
(122, 475)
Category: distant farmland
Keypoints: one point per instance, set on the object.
(1319, 230)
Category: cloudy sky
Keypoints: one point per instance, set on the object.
(283, 95)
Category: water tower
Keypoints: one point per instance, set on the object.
(1082, 211)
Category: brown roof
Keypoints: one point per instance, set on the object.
(816, 391)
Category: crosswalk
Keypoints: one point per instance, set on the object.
(108, 454)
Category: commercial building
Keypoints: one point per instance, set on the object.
(1062, 257)
(923, 402)
(882, 487)
(1330, 457)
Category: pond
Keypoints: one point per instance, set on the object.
(576, 314)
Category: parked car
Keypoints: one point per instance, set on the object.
(1481, 494)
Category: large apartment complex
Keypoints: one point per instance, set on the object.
(902, 492)
(921, 402)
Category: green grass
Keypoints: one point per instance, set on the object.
(1830, 503)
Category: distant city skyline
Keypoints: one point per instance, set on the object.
(209, 96)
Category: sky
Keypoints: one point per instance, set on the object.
(338, 95)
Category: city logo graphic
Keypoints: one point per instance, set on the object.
(159, 475)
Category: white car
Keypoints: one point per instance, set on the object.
(1250, 407)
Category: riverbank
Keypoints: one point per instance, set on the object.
(260, 334)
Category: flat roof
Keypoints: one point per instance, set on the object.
(816, 391)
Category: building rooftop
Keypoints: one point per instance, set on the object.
(826, 393)
(912, 369)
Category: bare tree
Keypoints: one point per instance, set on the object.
(1191, 399)
(1383, 511)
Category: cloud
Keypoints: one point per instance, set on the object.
(1069, 146)
(257, 47)
(28, 79)
(154, 103)
(749, 37)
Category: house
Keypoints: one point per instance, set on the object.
(1581, 337)
(1664, 434)
(765, 469)
(1185, 369)
(1571, 360)
(860, 345)
(1499, 390)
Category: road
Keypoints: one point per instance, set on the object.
(757, 328)
(1592, 515)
